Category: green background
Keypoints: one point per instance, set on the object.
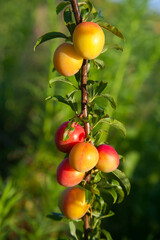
(28, 157)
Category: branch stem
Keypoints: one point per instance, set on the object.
(84, 101)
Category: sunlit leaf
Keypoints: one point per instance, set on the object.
(69, 102)
(97, 17)
(110, 191)
(112, 29)
(49, 36)
(88, 195)
(61, 6)
(114, 123)
(123, 179)
(100, 87)
(112, 46)
(97, 177)
(98, 63)
(60, 79)
(67, 131)
(109, 98)
(72, 228)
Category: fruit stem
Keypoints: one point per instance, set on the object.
(84, 101)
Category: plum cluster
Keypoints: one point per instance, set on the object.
(82, 157)
(88, 42)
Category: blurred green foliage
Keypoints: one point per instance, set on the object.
(28, 157)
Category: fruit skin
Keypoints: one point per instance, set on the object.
(66, 60)
(108, 158)
(67, 176)
(76, 136)
(88, 39)
(83, 157)
(74, 205)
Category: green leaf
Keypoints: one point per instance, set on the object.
(104, 192)
(71, 27)
(86, 8)
(110, 214)
(67, 131)
(120, 194)
(98, 63)
(112, 46)
(97, 17)
(61, 6)
(114, 123)
(60, 79)
(73, 230)
(110, 99)
(88, 195)
(57, 216)
(107, 234)
(70, 102)
(67, 16)
(100, 87)
(122, 158)
(112, 29)
(97, 177)
(123, 179)
(49, 36)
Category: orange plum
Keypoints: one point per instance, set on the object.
(66, 60)
(88, 40)
(74, 205)
(83, 157)
(108, 158)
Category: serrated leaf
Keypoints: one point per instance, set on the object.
(112, 46)
(84, 13)
(114, 123)
(69, 102)
(71, 94)
(67, 16)
(97, 16)
(60, 79)
(112, 29)
(98, 63)
(101, 86)
(49, 36)
(109, 98)
(71, 27)
(61, 6)
(72, 228)
(107, 234)
(86, 9)
(123, 179)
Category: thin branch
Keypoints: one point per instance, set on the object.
(84, 102)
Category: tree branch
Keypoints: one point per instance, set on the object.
(84, 101)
